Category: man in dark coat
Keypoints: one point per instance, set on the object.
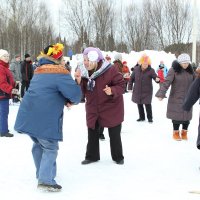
(143, 87)
(103, 87)
(27, 73)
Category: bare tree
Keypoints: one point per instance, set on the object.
(178, 14)
(158, 19)
(103, 18)
(77, 18)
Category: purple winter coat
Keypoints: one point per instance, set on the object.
(180, 80)
(143, 87)
(108, 110)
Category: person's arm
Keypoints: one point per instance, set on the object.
(192, 95)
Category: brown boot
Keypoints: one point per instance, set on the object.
(184, 134)
(176, 136)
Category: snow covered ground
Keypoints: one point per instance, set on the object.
(156, 167)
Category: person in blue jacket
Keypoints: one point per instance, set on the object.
(40, 114)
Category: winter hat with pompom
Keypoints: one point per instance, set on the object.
(184, 58)
(93, 54)
(3, 52)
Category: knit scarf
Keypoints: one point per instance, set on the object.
(91, 79)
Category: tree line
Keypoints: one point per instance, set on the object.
(26, 26)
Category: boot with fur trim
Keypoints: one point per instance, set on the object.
(184, 134)
(176, 136)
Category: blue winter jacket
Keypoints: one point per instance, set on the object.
(41, 111)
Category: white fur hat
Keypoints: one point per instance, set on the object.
(3, 52)
(184, 58)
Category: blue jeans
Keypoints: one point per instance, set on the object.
(44, 155)
(4, 111)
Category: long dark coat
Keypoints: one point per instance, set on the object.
(180, 80)
(108, 110)
(191, 98)
(143, 87)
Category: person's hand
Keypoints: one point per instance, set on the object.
(77, 76)
(160, 99)
(68, 105)
(157, 79)
(107, 90)
(14, 91)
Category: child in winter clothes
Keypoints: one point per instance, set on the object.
(103, 87)
(179, 77)
(126, 74)
(40, 114)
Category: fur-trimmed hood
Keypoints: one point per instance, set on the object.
(178, 69)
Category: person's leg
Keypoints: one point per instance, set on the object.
(23, 88)
(176, 134)
(116, 144)
(37, 152)
(184, 130)
(4, 111)
(101, 135)
(92, 151)
(149, 112)
(47, 170)
(141, 112)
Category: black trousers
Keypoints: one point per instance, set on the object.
(148, 111)
(93, 153)
(176, 125)
(24, 87)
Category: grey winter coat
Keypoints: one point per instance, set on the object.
(143, 87)
(15, 68)
(180, 80)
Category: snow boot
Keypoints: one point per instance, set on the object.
(49, 188)
(176, 136)
(184, 134)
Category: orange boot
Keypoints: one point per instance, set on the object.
(184, 134)
(176, 136)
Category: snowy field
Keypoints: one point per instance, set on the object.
(156, 167)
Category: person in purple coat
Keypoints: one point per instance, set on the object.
(103, 87)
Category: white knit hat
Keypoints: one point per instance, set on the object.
(184, 58)
(3, 52)
(118, 56)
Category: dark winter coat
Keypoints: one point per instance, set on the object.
(26, 70)
(143, 86)
(191, 98)
(41, 111)
(180, 80)
(118, 64)
(6, 81)
(108, 110)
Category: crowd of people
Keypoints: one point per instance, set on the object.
(102, 84)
